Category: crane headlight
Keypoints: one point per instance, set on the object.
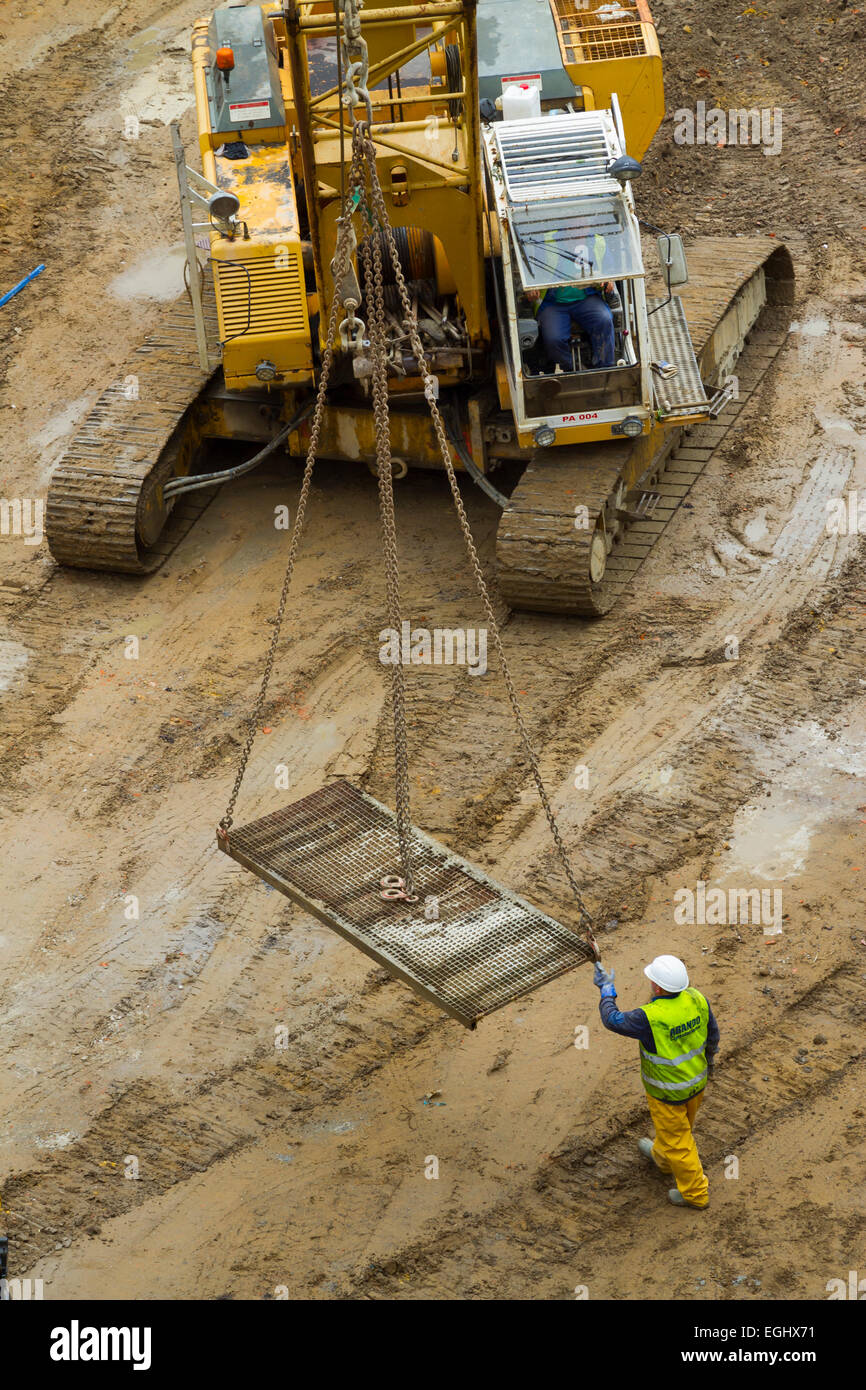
(223, 206)
(631, 426)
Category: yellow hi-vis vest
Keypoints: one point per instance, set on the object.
(677, 1069)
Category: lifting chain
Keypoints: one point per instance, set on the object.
(364, 180)
(362, 139)
(371, 257)
(356, 63)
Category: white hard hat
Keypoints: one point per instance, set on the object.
(668, 972)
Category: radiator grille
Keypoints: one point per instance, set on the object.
(261, 294)
(555, 157)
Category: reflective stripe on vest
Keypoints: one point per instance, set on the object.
(669, 1073)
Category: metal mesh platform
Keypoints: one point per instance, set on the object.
(670, 341)
(329, 852)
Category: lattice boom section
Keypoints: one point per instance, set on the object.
(329, 852)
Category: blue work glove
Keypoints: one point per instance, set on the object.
(600, 976)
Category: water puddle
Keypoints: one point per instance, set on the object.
(814, 327)
(157, 83)
(146, 48)
(158, 275)
(774, 835)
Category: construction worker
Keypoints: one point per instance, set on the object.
(679, 1038)
(567, 306)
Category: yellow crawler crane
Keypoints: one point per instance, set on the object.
(506, 139)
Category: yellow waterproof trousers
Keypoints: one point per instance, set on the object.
(675, 1151)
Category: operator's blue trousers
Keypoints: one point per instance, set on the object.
(593, 316)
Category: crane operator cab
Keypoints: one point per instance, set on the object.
(569, 285)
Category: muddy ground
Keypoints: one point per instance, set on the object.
(303, 1169)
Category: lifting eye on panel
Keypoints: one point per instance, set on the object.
(393, 886)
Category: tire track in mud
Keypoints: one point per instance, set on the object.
(191, 899)
(641, 830)
(557, 1232)
(243, 1104)
(330, 1050)
(622, 754)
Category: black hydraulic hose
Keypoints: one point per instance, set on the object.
(658, 231)
(239, 265)
(176, 486)
(471, 466)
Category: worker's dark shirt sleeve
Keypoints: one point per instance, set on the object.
(633, 1024)
(712, 1036)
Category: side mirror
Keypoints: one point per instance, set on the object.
(672, 258)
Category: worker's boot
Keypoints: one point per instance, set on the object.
(646, 1148)
(678, 1200)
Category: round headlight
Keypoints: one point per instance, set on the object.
(266, 371)
(632, 426)
(544, 436)
(223, 205)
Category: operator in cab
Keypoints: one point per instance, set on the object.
(565, 306)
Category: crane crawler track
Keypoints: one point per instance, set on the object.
(104, 507)
(544, 547)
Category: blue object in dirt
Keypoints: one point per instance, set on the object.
(10, 294)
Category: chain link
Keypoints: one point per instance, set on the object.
(371, 251)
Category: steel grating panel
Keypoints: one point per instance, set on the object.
(671, 341)
(329, 851)
(600, 45)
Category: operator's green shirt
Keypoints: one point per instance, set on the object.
(571, 294)
(567, 294)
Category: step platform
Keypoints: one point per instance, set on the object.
(329, 853)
